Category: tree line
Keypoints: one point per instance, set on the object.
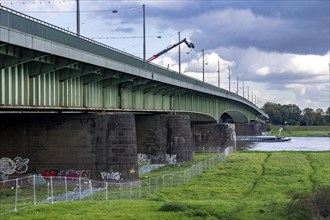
(291, 114)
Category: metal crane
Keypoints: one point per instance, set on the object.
(190, 45)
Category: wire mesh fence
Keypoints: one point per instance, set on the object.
(24, 192)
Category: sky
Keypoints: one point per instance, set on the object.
(279, 49)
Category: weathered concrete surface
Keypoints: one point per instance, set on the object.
(251, 129)
(213, 137)
(164, 138)
(102, 145)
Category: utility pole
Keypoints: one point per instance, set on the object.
(229, 78)
(237, 84)
(203, 65)
(243, 90)
(219, 73)
(179, 55)
(78, 18)
(144, 31)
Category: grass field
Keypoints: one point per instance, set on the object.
(301, 131)
(250, 185)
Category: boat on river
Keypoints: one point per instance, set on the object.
(262, 138)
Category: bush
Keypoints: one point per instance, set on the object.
(198, 213)
(174, 207)
(315, 206)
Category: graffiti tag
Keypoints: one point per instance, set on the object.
(9, 166)
(110, 175)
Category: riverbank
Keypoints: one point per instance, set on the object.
(250, 185)
(301, 131)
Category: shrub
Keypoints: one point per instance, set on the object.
(198, 213)
(315, 206)
(174, 207)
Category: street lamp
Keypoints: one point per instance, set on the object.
(229, 77)
(219, 73)
(243, 90)
(78, 18)
(179, 55)
(203, 64)
(237, 85)
(144, 31)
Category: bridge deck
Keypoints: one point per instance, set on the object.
(44, 66)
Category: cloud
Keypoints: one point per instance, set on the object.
(124, 30)
(286, 78)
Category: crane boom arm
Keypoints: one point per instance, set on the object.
(190, 45)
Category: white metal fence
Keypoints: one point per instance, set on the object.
(23, 192)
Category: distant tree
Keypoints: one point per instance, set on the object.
(327, 115)
(274, 112)
(308, 116)
(319, 117)
(291, 114)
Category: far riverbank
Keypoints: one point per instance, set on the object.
(301, 131)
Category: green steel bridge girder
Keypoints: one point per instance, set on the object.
(44, 81)
(96, 89)
(43, 67)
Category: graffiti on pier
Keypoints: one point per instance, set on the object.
(9, 166)
(70, 174)
(163, 159)
(170, 158)
(111, 175)
(143, 158)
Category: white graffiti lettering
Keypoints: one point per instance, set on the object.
(9, 166)
(143, 158)
(111, 175)
(171, 159)
(21, 164)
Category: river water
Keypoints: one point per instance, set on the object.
(295, 144)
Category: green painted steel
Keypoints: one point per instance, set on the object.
(34, 79)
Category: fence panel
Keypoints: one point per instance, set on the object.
(20, 193)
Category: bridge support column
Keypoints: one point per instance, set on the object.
(250, 129)
(164, 138)
(96, 146)
(213, 137)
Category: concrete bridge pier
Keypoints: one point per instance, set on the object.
(163, 139)
(213, 138)
(250, 129)
(96, 146)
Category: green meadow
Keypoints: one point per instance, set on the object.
(301, 131)
(249, 185)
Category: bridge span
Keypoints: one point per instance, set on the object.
(134, 108)
(44, 67)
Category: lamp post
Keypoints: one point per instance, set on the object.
(243, 90)
(179, 55)
(237, 84)
(248, 93)
(78, 18)
(144, 31)
(219, 73)
(252, 96)
(203, 64)
(229, 78)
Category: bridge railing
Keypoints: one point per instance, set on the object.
(8, 21)
(20, 193)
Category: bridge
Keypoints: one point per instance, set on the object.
(47, 69)
(44, 67)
